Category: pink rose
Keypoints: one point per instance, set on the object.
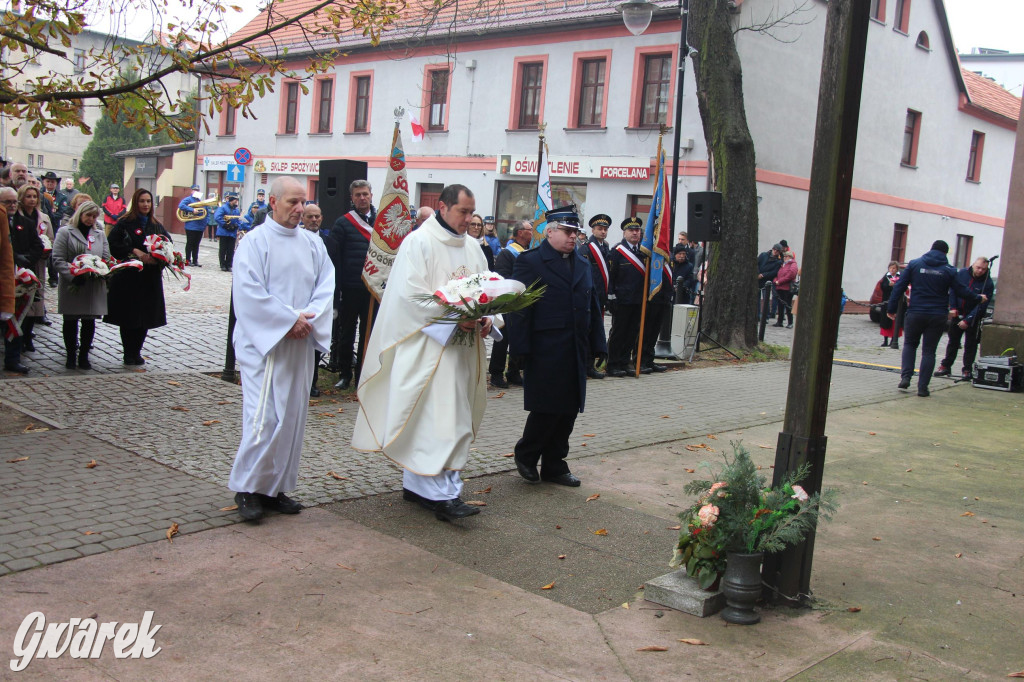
(708, 514)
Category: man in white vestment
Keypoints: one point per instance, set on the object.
(422, 394)
(283, 292)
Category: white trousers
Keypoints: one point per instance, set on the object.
(447, 485)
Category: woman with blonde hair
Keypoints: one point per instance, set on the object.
(80, 298)
(29, 218)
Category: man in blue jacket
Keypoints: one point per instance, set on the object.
(228, 219)
(554, 341)
(931, 278)
(193, 228)
(965, 318)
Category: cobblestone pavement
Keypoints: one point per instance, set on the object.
(164, 438)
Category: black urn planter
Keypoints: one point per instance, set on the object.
(741, 586)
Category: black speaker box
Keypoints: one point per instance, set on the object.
(704, 216)
(333, 195)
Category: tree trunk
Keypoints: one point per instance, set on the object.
(729, 307)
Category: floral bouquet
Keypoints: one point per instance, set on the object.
(47, 244)
(737, 513)
(481, 295)
(161, 249)
(26, 284)
(89, 265)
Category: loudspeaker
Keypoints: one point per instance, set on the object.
(333, 195)
(704, 216)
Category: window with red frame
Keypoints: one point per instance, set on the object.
(228, 112)
(530, 86)
(291, 108)
(974, 160)
(911, 137)
(438, 99)
(324, 101)
(899, 243)
(590, 114)
(654, 95)
(901, 22)
(361, 122)
(962, 255)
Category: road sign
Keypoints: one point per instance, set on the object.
(235, 173)
(243, 156)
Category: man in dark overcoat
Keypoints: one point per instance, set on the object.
(626, 267)
(554, 339)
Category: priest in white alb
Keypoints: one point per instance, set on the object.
(422, 393)
(283, 293)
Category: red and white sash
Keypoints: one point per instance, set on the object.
(595, 251)
(360, 224)
(631, 257)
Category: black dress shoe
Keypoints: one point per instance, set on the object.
(450, 510)
(314, 392)
(16, 367)
(923, 392)
(46, 321)
(646, 370)
(526, 471)
(594, 374)
(249, 506)
(658, 369)
(498, 382)
(904, 383)
(282, 503)
(28, 346)
(514, 379)
(777, 324)
(343, 384)
(565, 479)
(410, 496)
(617, 373)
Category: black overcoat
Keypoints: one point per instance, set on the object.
(627, 281)
(559, 333)
(135, 298)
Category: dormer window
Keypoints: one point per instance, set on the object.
(922, 41)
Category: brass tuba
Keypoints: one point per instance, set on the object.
(197, 210)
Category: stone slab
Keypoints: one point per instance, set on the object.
(679, 591)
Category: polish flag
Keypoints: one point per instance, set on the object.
(417, 129)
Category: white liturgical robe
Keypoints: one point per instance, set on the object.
(278, 272)
(421, 400)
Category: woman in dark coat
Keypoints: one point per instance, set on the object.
(135, 301)
(885, 286)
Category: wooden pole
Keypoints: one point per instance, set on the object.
(647, 263)
(787, 576)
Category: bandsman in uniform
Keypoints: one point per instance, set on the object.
(596, 251)
(625, 297)
(555, 341)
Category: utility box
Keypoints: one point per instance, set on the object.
(998, 373)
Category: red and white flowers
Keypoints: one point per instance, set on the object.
(90, 265)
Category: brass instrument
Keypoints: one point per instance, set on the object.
(197, 211)
(228, 218)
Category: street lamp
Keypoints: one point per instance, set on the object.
(637, 16)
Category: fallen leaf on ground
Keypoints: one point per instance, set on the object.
(211, 422)
(673, 527)
(589, 435)
(853, 609)
(664, 416)
(328, 415)
(909, 470)
(872, 433)
(653, 648)
(509, 454)
(499, 395)
(1020, 674)
(712, 436)
(765, 447)
(548, 586)
(180, 408)
(481, 492)
(691, 471)
(863, 482)
(561, 556)
(171, 532)
(601, 531)
(958, 555)
(224, 402)
(336, 476)
(174, 383)
(976, 499)
(476, 503)
(90, 532)
(967, 513)
(17, 459)
(347, 568)
(625, 604)
(558, 528)
(876, 539)
(91, 464)
(692, 641)
(231, 508)
(593, 497)
(31, 428)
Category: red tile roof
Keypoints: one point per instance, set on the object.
(988, 95)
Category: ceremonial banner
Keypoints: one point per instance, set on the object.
(543, 198)
(392, 224)
(658, 233)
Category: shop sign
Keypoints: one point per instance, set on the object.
(606, 167)
(287, 166)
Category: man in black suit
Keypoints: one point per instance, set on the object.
(597, 251)
(554, 340)
(625, 287)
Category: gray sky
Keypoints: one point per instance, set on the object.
(995, 24)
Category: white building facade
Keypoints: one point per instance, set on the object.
(602, 92)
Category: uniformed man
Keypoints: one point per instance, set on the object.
(555, 340)
(625, 289)
(596, 251)
(227, 218)
(259, 204)
(504, 264)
